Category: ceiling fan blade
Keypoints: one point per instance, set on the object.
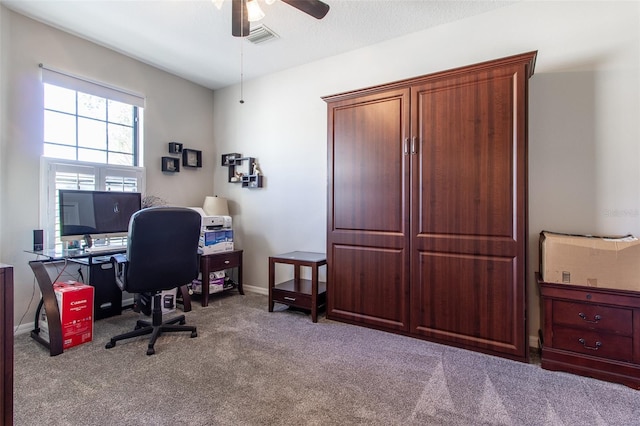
(239, 18)
(315, 8)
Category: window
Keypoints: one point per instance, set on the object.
(78, 175)
(92, 140)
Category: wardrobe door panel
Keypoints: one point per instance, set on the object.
(367, 236)
(467, 299)
(468, 217)
(372, 286)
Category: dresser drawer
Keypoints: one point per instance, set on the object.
(293, 299)
(592, 343)
(595, 317)
(222, 260)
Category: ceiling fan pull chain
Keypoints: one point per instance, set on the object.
(242, 70)
(242, 60)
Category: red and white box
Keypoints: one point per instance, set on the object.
(75, 303)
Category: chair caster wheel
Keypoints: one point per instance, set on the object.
(110, 345)
(194, 334)
(151, 351)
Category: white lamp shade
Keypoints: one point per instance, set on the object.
(254, 12)
(215, 206)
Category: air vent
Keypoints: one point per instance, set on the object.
(261, 34)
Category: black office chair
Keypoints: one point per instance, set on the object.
(162, 254)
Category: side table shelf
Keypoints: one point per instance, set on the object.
(299, 292)
(217, 262)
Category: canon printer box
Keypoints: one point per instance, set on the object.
(75, 303)
(609, 262)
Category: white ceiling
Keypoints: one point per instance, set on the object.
(192, 39)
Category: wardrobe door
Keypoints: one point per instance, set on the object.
(367, 234)
(468, 210)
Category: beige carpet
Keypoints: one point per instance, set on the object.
(251, 367)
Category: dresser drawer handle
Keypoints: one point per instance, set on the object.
(593, 348)
(595, 320)
(226, 262)
(292, 299)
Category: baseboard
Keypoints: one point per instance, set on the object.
(254, 289)
(534, 342)
(23, 329)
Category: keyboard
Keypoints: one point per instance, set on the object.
(105, 249)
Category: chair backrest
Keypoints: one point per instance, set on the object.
(162, 249)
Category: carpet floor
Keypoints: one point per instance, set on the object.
(251, 367)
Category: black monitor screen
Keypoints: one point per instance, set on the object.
(96, 213)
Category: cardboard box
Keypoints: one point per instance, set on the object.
(218, 248)
(608, 262)
(216, 241)
(75, 303)
(216, 282)
(208, 238)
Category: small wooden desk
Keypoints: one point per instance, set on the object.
(300, 293)
(217, 262)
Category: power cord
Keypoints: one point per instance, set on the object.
(33, 294)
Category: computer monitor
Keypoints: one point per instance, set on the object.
(98, 214)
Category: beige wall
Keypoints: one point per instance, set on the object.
(584, 132)
(175, 110)
(583, 145)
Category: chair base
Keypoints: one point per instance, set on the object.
(145, 327)
(156, 327)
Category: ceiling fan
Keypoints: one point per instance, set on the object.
(240, 15)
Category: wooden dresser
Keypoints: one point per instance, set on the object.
(591, 331)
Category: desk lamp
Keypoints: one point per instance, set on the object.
(215, 206)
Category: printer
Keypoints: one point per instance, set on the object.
(213, 222)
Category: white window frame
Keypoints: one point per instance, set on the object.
(49, 168)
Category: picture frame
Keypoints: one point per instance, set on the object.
(175, 147)
(191, 158)
(170, 164)
(231, 159)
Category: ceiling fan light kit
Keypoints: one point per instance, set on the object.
(254, 13)
(245, 11)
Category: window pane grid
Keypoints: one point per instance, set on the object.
(89, 128)
(94, 136)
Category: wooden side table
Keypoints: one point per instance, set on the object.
(218, 262)
(298, 292)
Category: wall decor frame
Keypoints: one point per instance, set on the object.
(170, 164)
(175, 147)
(244, 170)
(191, 158)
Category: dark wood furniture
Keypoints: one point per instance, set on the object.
(6, 342)
(427, 203)
(107, 295)
(591, 331)
(298, 292)
(217, 262)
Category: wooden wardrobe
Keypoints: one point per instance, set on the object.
(427, 206)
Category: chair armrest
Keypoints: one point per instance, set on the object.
(119, 262)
